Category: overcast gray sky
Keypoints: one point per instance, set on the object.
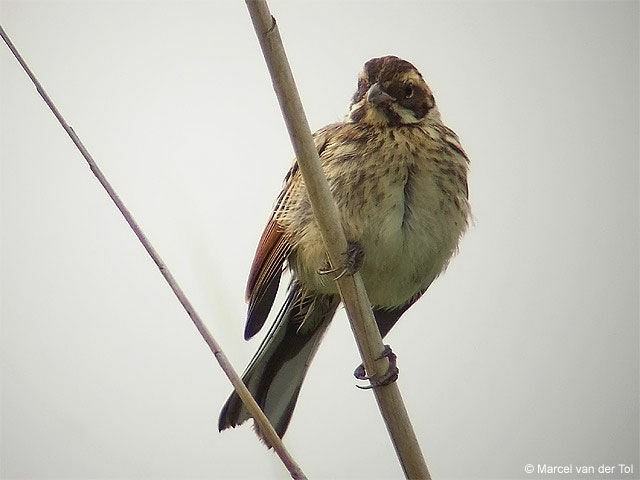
(524, 352)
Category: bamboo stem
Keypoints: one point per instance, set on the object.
(327, 216)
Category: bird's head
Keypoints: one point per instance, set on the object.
(392, 92)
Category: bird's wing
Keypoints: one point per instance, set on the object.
(451, 139)
(273, 249)
(264, 277)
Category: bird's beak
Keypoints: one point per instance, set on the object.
(378, 96)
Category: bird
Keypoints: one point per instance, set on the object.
(398, 176)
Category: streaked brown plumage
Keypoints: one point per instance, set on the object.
(399, 178)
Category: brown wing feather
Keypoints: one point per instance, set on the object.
(269, 242)
(453, 141)
(264, 277)
(273, 249)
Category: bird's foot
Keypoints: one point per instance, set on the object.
(390, 376)
(352, 263)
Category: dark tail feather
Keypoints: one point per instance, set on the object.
(276, 372)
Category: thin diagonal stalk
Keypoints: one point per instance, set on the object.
(326, 213)
(260, 418)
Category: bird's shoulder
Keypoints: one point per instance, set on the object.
(332, 141)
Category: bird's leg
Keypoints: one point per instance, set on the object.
(390, 376)
(352, 263)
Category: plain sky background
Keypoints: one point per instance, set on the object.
(524, 351)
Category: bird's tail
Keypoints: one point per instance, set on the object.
(275, 374)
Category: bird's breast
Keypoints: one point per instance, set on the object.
(401, 203)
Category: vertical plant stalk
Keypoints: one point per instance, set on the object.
(327, 216)
(263, 423)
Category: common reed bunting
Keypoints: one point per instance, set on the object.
(399, 178)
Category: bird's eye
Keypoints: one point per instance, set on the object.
(408, 91)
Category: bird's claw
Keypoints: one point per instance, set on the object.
(390, 376)
(353, 261)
